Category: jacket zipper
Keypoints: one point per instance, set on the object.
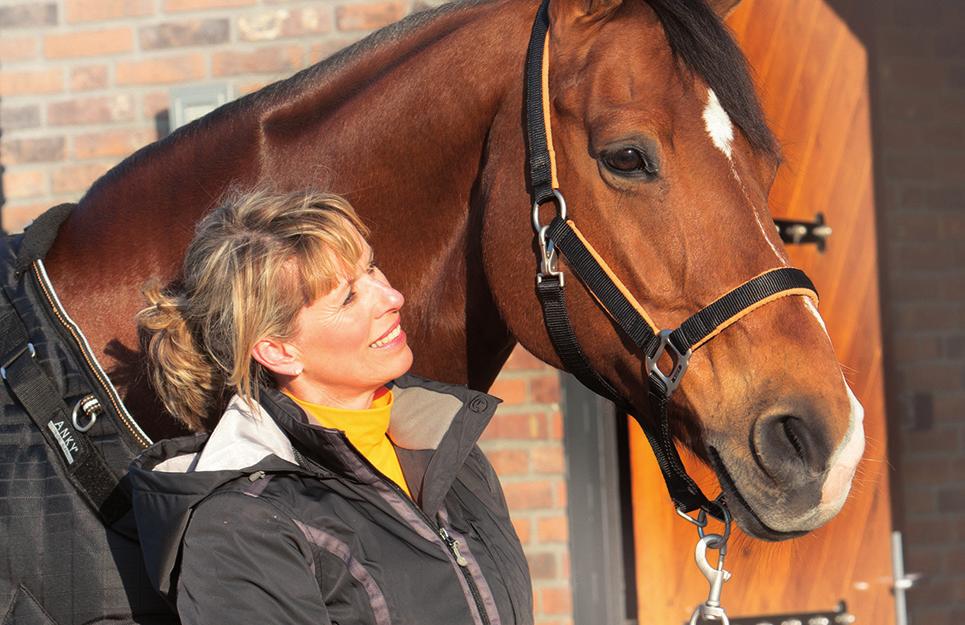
(452, 545)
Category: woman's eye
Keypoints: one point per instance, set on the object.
(349, 298)
(373, 267)
(629, 161)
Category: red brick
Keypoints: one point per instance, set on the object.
(524, 529)
(101, 10)
(13, 49)
(552, 529)
(556, 600)
(511, 391)
(89, 43)
(244, 88)
(110, 143)
(542, 565)
(18, 184)
(368, 16)
(88, 77)
(516, 426)
(28, 15)
(555, 425)
(75, 178)
(528, 495)
(548, 459)
(545, 388)
(171, 69)
(561, 494)
(283, 23)
(155, 103)
(31, 82)
(17, 216)
(188, 33)
(39, 150)
(522, 360)
(321, 51)
(200, 5)
(95, 110)
(261, 61)
(20, 117)
(509, 461)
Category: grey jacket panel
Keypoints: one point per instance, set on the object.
(329, 539)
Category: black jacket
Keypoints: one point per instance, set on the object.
(281, 521)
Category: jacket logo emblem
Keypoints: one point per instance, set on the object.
(65, 438)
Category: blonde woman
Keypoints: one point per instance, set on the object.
(335, 489)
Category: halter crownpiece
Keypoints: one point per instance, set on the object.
(562, 235)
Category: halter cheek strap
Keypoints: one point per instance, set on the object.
(562, 235)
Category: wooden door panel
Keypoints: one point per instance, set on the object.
(812, 77)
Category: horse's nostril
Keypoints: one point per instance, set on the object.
(796, 435)
(789, 449)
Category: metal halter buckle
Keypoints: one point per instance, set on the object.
(680, 360)
(547, 251)
(547, 262)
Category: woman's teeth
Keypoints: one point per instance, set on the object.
(388, 338)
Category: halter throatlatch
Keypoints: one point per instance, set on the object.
(561, 235)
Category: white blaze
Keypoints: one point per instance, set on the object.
(718, 124)
(846, 457)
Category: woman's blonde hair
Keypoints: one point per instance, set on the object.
(254, 263)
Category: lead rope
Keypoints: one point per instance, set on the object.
(617, 301)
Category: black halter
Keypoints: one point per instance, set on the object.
(563, 236)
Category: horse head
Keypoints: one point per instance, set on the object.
(666, 162)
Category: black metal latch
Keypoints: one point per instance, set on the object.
(801, 232)
(839, 616)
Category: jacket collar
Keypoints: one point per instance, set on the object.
(442, 421)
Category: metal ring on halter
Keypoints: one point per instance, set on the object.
(559, 202)
(700, 521)
(91, 408)
(722, 543)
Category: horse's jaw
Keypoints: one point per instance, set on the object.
(775, 510)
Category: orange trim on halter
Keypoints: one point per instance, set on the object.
(767, 300)
(643, 313)
(613, 277)
(546, 110)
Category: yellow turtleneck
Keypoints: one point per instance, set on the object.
(366, 429)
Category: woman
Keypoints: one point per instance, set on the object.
(335, 489)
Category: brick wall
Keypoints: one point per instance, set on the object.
(525, 444)
(917, 64)
(918, 56)
(84, 83)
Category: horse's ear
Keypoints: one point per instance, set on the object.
(562, 11)
(723, 7)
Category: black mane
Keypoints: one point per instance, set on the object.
(700, 40)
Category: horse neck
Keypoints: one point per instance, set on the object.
(398, 126)
(402, 133)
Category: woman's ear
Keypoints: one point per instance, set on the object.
(277, 356)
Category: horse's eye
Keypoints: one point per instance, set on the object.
(629, 161)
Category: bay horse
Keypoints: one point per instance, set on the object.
(667, 161)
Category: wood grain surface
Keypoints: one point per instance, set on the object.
(812, 76)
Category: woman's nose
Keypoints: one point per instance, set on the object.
(390, 298)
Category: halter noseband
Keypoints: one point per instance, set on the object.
(616, 300)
